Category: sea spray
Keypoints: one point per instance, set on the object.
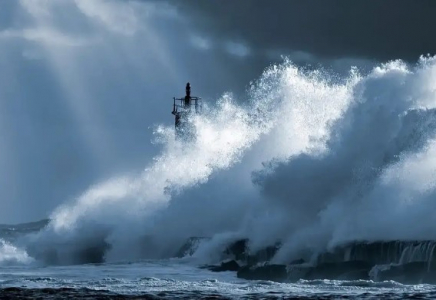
(12, 255)
(312, 160)
(337, 197)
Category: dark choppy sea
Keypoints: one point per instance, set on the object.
(178, 279)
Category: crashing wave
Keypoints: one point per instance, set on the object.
(12, 255)
(312, 160)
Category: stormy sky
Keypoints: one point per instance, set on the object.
(368, 29)
(83, 82)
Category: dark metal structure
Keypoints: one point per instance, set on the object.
(183, 107)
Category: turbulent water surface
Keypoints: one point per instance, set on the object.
(309, 160)
(173, 279)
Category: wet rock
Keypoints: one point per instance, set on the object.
(267, 272)
(298, 271)
(410, 273)
(190, 246)
(226, 266)
(355, 275)
(297, 262)
(406, 261)
(263, 255)
(382, 252)
(240, 251)
(71, 253)
(429, 277)
(339, 270)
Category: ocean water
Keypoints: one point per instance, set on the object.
(23, 277)
(312, 160)
(180, 279)
(308, 158)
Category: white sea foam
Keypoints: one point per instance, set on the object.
(12, 255)
(312, 159)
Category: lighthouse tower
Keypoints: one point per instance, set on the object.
(183, 108)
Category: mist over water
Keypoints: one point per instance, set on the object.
(313, 159)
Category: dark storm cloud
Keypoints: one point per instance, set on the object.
(368, 29)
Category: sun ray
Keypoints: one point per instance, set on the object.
(64, 54)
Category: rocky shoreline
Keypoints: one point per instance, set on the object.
(407, 262)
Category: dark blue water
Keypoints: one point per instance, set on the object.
(178, 279)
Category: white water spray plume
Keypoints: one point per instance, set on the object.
(313, 160)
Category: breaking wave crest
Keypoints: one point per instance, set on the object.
(313, 160)
(11, 255)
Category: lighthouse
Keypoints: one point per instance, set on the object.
(183, 108)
